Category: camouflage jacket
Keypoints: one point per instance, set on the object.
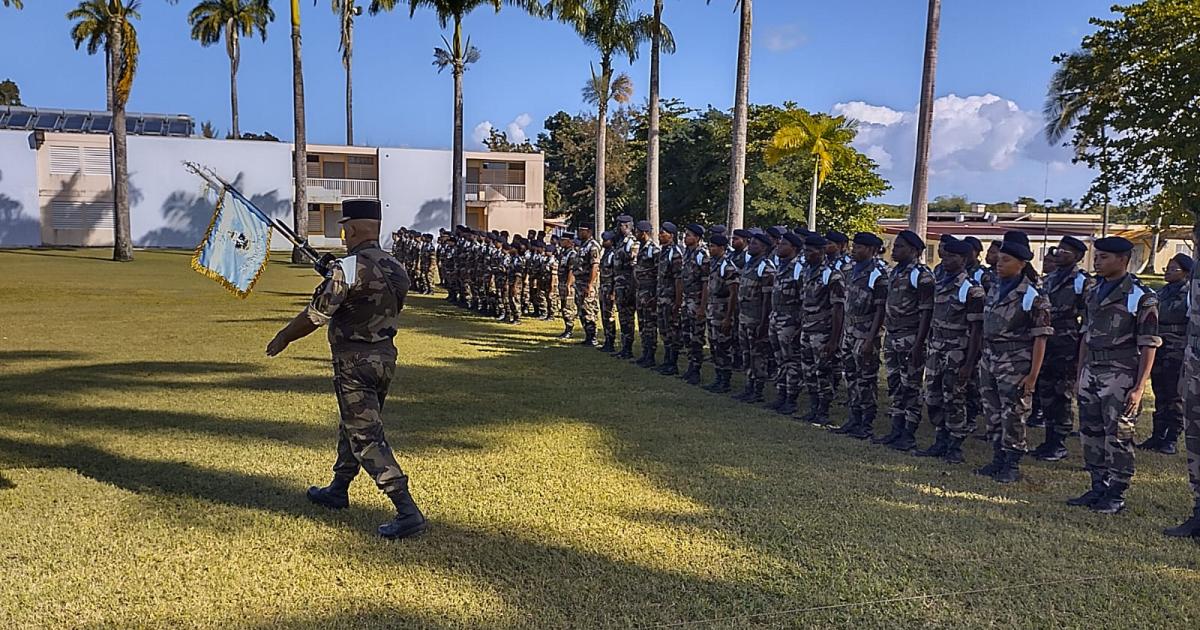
(722, 280)
(739, 259)
(361, 300)
(1193, 330)
(910, 291)
(586, 259)
(787, 293)
(607, 269)
(866, 293)
(550, 268)
(982, 275)
(566, 264)
(824, 288)
(670, 264)
(694, 271)
(498, 262)
(625, 260)
(957, 303)
(757, 278)
(427, 252)
(1117, 325)
(1173, 317)
(645, 271)
(517, 266)
(1016, 317)
(1067, 291)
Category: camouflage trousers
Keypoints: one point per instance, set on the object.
(1168, 394)
(587, 307)
(818, 366)
(1005, 405)
(500, 294)
(783, 333)
(537, 296)
(512, 305)
(945, 396)
(755, 349)
(487, 290)
(549, 295)
(668, 323)
(1105, 432)
(1056, 384)
(721, 342)
(425, 279)
(903, 378)
(525, 291)
(691, 329)
(626, 298)
(862, 372)
(566, 304)
(647, 319)
(361, 380)
(974, 400)
(608, 322)
(1189, 387)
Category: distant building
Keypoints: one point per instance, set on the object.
(56, 182)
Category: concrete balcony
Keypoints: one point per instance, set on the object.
(325, 190)
(495, 192)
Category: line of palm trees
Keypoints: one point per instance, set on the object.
(611, 27)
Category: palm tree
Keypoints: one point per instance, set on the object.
(1068, 97)
(300, 144)
(346, 11)
(111, 23)
(232, 19)
(13, 3)
(825, 138)
(741, 100)
(660, 39)
(918, 220)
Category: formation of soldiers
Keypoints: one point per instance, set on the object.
(417, 252)
(806, 312)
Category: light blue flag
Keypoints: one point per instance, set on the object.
(235, 249)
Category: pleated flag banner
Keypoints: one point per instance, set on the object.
(235, 249)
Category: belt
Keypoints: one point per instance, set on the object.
(1008, 346)
(940, 326)
(902, 322)
(1112, 354)
(860, 319)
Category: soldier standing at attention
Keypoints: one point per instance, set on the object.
(1066, 288)
(909, 309)
(645, 273)
(1168, 362)
(720, 309)
(983, 276)
(1120, 340)
(516, 280)
(835, 251)
(783, 324)
(755, 286)
(1016, 325)
(586, 273)
(361, 302)
(866, 304)
(428, 251)
(500, 263)
(537, 264)
(550, 280)
(692, 281)
(1190, 390)
(670, 264)
(824, 302)
(625, 254)
(954, 343)
(738, 242)
(607, 294)
(566, 283)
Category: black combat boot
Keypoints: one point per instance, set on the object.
(335, 496)
(609, 345)
(566, 333)
(907, 440)
(865, 429)
(990, 469)
(1169, 438)
(747, 391)
(1113, 499)
(725, 376)
(692, 375)
(821, 417)
(1011, 470)
(1189, 528)
(938, 449)
(756, 394)
(850, 425)
(1037, 419)
(1099, 487)
(1053, 449)
(1155, 440)
(670, 364)
(894, 434)
(626, 350)
(408, 520)
(781, 394)
(647, 359)
(789, 404)
(954, 454)
(715, 386)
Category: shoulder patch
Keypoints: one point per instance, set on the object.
(914, 277)
(349, 267)
(762, 266)
(1080, 281)
(699, 258)
(724, 265)
(1031, 294)
(796, 271)
(963, 290)
(825, 273)
(874, 277)
(1134, 299)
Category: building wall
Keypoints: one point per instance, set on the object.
(414, 188)
(20, 220)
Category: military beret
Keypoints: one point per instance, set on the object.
(585, 226)
(974, 242)
(1073, 243)
(1184, 261)
(742, 233)
(868, 239)
(756, 230)
(696, 228)
(947, 238)
(775, 233)
(719, 239)
(962, 248)
(606, 235)
(796, 240)
(360, 209)
(1113, 245)
(815, 240)
(624, 218)
(803, 231)
(1016, 236)
(783, 229)
(568, 235)
(643, 226)
(669, 228)
(763, 238)
(910, 237)
(718, 229)
(1015, 248)
(835, 236)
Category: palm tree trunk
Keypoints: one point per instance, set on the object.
(812, 197)
(122, 241)
(349, 98)
(653, 131)
(234, 61)
(601, 144)
(299, 152)
(737, 173)
(918, 218)
(108, 80)
(458, 210)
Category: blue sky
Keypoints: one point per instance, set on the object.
(858, 57)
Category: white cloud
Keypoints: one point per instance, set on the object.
(516, 128)
(481, 131)
(784, 37)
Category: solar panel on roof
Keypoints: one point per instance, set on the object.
(46, 121)
(101, 124)
(180, 127)
(152, 126)
(3, 119)
(74, 122)
(19, 120)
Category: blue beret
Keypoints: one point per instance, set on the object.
(1114, 245)
(669, 227)
(607, 235)
(754, 231)
(1016, 236)
(775, 232)
(974, 242)
(1073, 243)
(910, 237)
(803, 231)
(796, 240)
(719, 239)
(962, 248)
(1184, 261)
(947, 238)
(718, 229)
(868, 239)
(815, 240)
(696, 228)
(763, 238)
(624, 218)
(643, 226)
(836, 237)
(746, 234)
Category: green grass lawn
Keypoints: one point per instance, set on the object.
(153, 465)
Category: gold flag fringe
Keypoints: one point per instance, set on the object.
(209, 273)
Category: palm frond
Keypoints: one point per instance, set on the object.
(442, 59)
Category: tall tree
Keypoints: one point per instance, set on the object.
(118, 37)
(212, 20)
(92, 26)
(300, 144)
(826, 139)
(661, 40)
(741, 101)
(346, 11)
(13, 3)
(10, 93)
(918, 220)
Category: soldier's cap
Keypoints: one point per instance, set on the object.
(566, 235)
(1184, 261)
(606, 235)
(361, 209)
(763, 238)
(868, 239)
(643, 226)
(428, 235)
(718, 229)
(974, 242)
(794, 239)
(669, 228)
(962, 248)
(1113, 245)
(719, 239)
(1016, 236)
(742, 233)
(836, 237)
(756, 231)
(775, 233)
(910, 237)
(815, 240)
(696, 228)
(624, 218)
(947, 238)
(1073, 243)
(585, 226)
(803, 231)
(1015, 248)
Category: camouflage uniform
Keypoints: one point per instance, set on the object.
(499, 270)
(425, 266)
(1190, 386)
(694, 273)
(1066, 289)
(722, 280)
(739, 259)
(625, 256)
(984, 277)
(824, 291)
(866, 293)
(1115, 329)
(607, 298)
(757, 278)
(1011, 321)
(670, 263)
(957, 304)
(783, 329)
(588, 306)
(910, 296)
(361, 304)
(566, 290)
(534, 276)
(1168, 363)
(516, 286)
(549, 283)
(646, 274)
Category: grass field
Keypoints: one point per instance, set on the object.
(153, 464)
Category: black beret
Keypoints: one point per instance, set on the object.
(803, 231)
(836, 237)
(868, 239)
(962, 248)
(361, 209)
(755, 230)
(584, 226)
(1184, 261)
(1114, 245)
(1073, 243)
(910, 237)
(607, 235)
(1016, 249)
(974, 242)
(643, 226)
(719, 239)
(1016, 236)
(718, 229)
(742, 233)
(815, 240)
(696, 228)
(796, 240)
(775, 232)
(669, 228)
(763, 238)
(570, 235)
(947, 238)
(624, 218)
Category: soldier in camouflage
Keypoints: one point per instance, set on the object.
(783, 324)
(866, 305)
(670, 265)
(738, 256)
(566, 283)
(1190, 390)
(755, 285)
(824, 304)
(534, 275)
(498, 266)
(516, 280)
(586, 273)
(427, 253)
(625, 256)
(549, 280)
(361, 302)
(985, 277)
(692, 281)
(1120, 340)
(720, 310)
(645, 274)
(607, 295)
(1168, 362)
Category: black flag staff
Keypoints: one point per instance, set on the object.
(321, 262)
